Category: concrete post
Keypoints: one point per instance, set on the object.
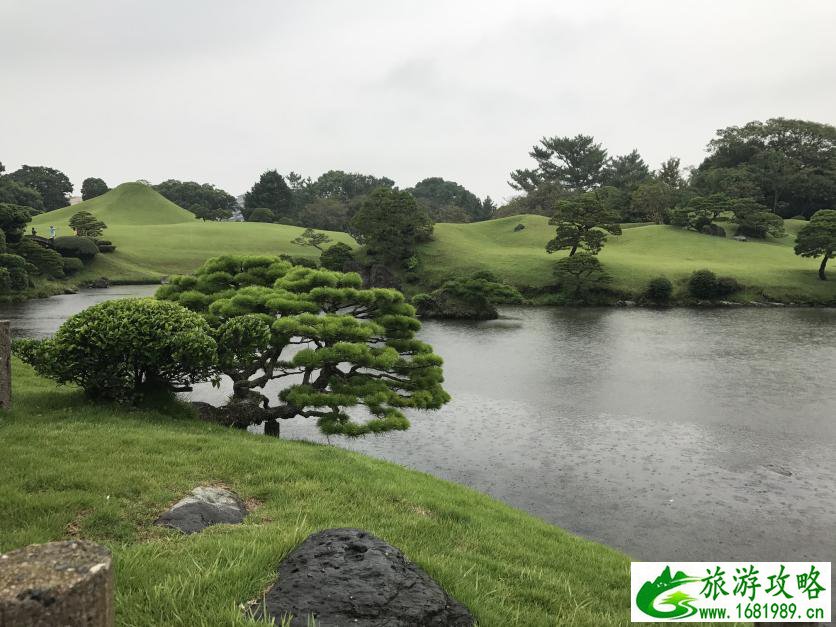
(60, 583)
(5, 365)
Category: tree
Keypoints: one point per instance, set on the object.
(260, 214)
(46, 260)
(336, 257)
(390, 224)
(92, 187)
(755, 220)
(582, 221)
(271, 191)
(474, 297)
(15, 193)
(488, 208)
(818, 238)
(345, 186)
(438, 196)
(117, 349)
(626, 172)
(204, 200)
(53, 185)
(13, 221)
(348, 347)
(790, 163)
(700, 211)
(653, 199)
(579, 274)
(670, 173)
(312, 238)
(574, 163)
(325, 213)
(86, 224)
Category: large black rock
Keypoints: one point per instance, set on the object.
(350, 577)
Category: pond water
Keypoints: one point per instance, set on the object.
(680, 434)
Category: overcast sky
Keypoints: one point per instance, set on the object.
(219, 91)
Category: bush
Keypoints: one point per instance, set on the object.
(580, 275)
(18, 270)
(336, 257)
(704, 284)
(261, 214)
(106, 248)
(73, 246)
(305, 262)
(5, 281)
(117, 349)
(659, 290)
(47, 261)
(72, 265)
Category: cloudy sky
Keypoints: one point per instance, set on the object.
(219, 91)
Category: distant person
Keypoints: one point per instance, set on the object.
(51, 232)
(34, 232)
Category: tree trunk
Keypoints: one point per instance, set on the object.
(823, 264)
(574, 248)
(271, 427)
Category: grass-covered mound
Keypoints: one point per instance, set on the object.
(74, 469)
(633, 258)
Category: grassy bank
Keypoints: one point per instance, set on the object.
(73, 469)
(156, 238)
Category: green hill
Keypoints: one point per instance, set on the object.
(642, 252)
(129, 203)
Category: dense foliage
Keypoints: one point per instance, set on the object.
(53, 185)
(86, 224)
(117, 349)
(13, 221)
(704, 284)
(344, 347)
(204, 200)
(271, 192)
(659, 291)
(446, 201)
(578, 276)
(46, 260)
(84, 248)
(390, 224)
(818, 238)
(336, 257)
(474, 297)
(93, 187)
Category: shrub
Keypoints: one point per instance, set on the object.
(659, 290)
(119, 348)
(705, 284)
(261, 214)
(581, 274)
(336, 257)
(106, 248)
(72, 265)
(5, 281)
(47, 261)
(305, 262)
(18, 270)
(72, 246)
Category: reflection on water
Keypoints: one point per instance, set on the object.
(681, 434)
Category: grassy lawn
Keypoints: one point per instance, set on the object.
(74, 469)
(769, 269)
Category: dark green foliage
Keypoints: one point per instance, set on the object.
(626, 172)
(271, 192)
(311, 238)
(336, 257)
(13, 221)
(330, 214)
(575, 164)
(578, 276)
(5, 281)
(390, 224)
(53, 185)
(72, 265)
(106, 248)
(474, 297)
(204, 200)
(18, 270)
(700, 211)
(789, 165)
(119, 348)
(358, 346)
(298, 260)
(73, 246)
(659, 291)
(755, 220)
(582, 222)
(86, 224)
(47, 261)
(651, 201)
(704, 284)
(260, 214)
(16, 193)
(439, 197)
(818, 238)
(93, 187)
